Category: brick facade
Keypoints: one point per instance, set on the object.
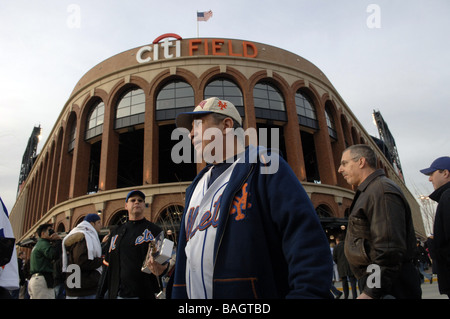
(56, 190)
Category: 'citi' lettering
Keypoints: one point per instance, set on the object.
(162, 47)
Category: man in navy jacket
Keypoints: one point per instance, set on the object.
(439, 176)
(247, 231)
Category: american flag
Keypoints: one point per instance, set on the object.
(204, 16)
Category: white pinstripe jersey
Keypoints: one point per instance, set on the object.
(201, 227)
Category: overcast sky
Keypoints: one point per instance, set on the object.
(392, 56)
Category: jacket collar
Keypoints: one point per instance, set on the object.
(379, 172)
(436, 195)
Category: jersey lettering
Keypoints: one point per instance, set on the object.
(112, 246)
(146, 237)
(207, 220)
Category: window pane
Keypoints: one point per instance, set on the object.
(269, 102)
(266, 96)
(213, 91)
(305, 108)
(124, 103)
(274, 96)
(73, 134)
(138, 108)
(237, 101)
(232, 91)
(101, 109)
(164, 104)
(226, 90)
(330, 120)
(277, 105)
(138, 98)
(123, 112)
(132, 102)
(185, 102)
(166, 94)
(174, 95)
(259, 92)
(180, 84)
(183, 92)
(262, 103)
(95, 119)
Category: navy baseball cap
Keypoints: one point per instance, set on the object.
(439, 163)
(135, 192)
(92, 218)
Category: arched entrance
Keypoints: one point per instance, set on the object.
(330, 224)
(169, 220)
(119, 218)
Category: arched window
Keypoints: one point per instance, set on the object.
(306, 112)
(226, 90)
(269, 103)
(330, 123)
(269, 106)
(174, 98)
(130, 109)
(119, 218)
(94, 125)
(72, 136)
(61, 228)
(324, 211)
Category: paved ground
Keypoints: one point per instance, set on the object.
(429, 291)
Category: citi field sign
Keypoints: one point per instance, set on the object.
(169, 45)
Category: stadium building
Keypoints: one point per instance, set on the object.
(114, 132)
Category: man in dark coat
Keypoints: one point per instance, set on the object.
(345, 273)
(439, 176)
(380, 241)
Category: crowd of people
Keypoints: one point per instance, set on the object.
(80, 266)
(243, 235)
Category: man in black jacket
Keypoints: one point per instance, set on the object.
(128, 248)
(344, 271)
(380, 241)
(439, 176)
